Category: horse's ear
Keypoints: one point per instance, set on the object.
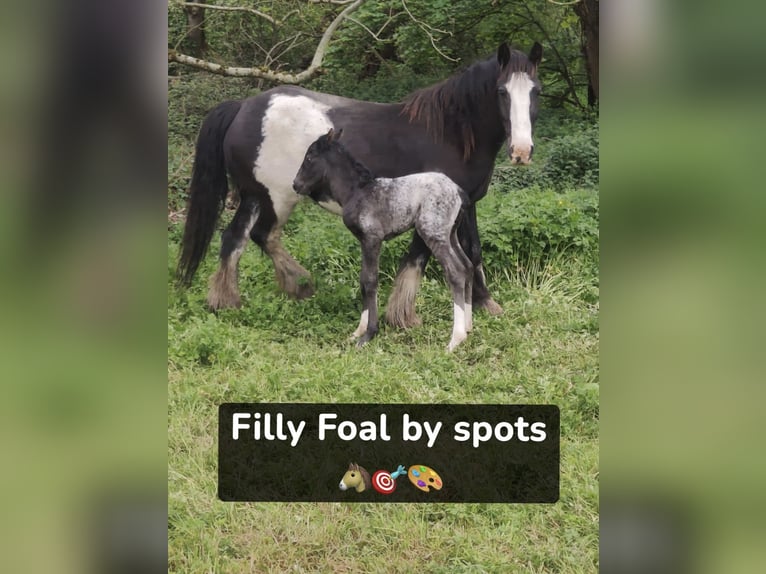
(536, 54)
(337, 135)
(330, 134)
(503, 55)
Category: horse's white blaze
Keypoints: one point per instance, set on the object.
(342, 485)
(290, 125)
(458, 328)
(360, 330)
(519, 87)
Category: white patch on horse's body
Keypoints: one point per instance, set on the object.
(519, 87)
(289, 126)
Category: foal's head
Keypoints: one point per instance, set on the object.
(328, 165)
(518, 89)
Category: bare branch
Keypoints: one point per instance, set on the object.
(228, 9)
(264, 72)
(253, 11)
(427, 28)
(569, 3)
(377, 34)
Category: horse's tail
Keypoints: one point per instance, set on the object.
(207, 192)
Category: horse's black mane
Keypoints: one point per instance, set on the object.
(447, 107)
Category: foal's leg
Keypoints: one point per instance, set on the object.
(368, 280)
(400, 311)
(455, 271)
(468, 232)
(468, 274)
(223, 291)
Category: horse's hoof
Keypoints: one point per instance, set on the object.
(403, 321)
(218, 303)
(492, 308)
(304, 291)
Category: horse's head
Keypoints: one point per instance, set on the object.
(355, 478)
(518, 90)
(316, 164)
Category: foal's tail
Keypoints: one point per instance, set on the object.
(207, 192)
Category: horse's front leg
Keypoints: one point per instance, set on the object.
(368, 279)
(468, 233)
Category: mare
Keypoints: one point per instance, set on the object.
(455, 127)
(377, 209)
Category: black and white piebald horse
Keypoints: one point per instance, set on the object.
(378, 208)
(455, 127)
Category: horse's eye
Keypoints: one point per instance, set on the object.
(353, 475)
(502, 91)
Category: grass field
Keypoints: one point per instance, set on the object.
(543, 349)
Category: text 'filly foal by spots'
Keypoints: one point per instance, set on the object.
(377, 209)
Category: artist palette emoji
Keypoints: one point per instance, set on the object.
(424, 478)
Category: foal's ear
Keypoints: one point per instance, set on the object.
(536, 54)
(503, 55)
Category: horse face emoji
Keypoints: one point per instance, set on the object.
(424, 478)
(356, 477)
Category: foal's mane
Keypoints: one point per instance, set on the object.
(449, 107)
(365, 175)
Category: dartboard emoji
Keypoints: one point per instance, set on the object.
(424, 478)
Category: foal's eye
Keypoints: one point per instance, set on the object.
(502, 91)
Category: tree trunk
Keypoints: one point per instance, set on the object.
(195, 30)
(587, 11)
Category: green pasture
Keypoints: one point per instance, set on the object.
(541, 251)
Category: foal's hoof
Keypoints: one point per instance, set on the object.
(455, 342)
(492, 308)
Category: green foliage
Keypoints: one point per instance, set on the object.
(572, 160)
(519, 228)
(435, 39)
(566, 156)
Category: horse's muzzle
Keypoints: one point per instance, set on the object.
(521, 155)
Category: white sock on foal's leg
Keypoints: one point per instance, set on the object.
(362, 328)
(468, 316)
(458, 327)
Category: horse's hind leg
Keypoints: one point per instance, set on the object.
(291, 277)
(400, 310)
(224, 291)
